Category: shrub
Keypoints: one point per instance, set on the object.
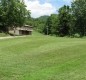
(76, 35)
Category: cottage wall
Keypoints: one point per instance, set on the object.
(25, 30)
(17, 32)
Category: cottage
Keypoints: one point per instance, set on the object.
(25, 30)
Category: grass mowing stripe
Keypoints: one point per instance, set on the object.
(42, 58)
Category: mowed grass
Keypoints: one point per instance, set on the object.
(39, 57)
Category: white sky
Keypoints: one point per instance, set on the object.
(39, 9)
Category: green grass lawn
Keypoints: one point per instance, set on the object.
(43, 58)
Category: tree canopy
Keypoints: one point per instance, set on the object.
(12, 13)
(64, 19)
(70, 20)
(79, 12)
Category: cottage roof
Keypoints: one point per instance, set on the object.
(27, 26)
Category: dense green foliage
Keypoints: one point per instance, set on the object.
(64, 21)
(51, 24)
(79, 12)
(70, 21)
(13, 13)
(40, 57)
(40, 23)
(57, 24)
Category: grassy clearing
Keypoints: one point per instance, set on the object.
(43, 58)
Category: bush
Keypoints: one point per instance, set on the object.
(77, 35)
(3, 34)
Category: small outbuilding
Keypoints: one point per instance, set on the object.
(25, 30)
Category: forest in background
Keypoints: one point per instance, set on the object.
(70, 20)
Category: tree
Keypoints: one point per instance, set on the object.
(13, 13)
(51, 24)
(40, 23)
(64, 21)
(79, 12)
(3, 20)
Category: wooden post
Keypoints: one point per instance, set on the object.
(47, 30)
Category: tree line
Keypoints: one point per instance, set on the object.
(70, 21)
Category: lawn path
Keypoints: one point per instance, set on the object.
(10, 37)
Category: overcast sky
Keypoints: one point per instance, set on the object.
(45, 7)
